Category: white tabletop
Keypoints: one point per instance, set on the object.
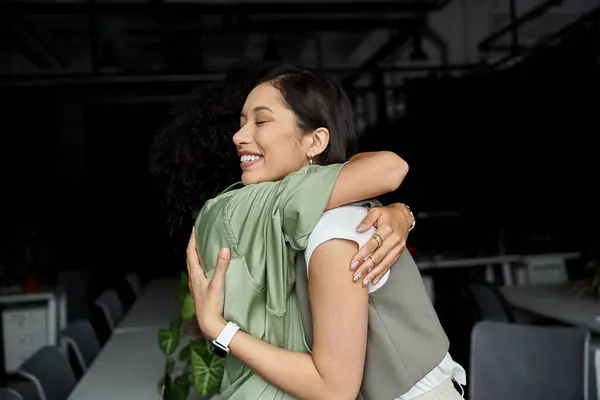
(26, 297)
(468, 262)
(485, 261)
(155, 307)
(128, 367)
(557, 302)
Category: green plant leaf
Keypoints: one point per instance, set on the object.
(179, 389)
(165, 382)
(182, 288)
(207, 369)
(201, 347)
(167, 389)
(184, 354)
(188, 310)
(168, 340)
(170, 366)
(175, 324)
(160, 384)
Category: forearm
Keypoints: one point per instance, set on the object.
(293, 372)
(334, 369)
(367, 175)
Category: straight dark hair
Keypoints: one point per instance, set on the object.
(317, 102)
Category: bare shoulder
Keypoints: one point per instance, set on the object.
(335, 250)
(338, 224)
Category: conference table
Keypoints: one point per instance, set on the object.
(131, 363)
(154, 308)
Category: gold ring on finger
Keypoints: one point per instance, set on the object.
(378, 238)
(370, 257)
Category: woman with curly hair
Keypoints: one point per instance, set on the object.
(192, 158)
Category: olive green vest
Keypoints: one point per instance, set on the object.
(405, 338)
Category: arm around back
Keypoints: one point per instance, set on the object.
(368, 175)
(340, 318)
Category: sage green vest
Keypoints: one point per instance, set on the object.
(405, 338)
(266, 226)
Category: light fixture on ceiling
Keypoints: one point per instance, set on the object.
(418, 54)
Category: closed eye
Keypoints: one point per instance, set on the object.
(258, 123)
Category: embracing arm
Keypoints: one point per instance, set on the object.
(368, 175)
(334, 369)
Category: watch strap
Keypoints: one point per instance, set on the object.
(412, 226)
(227, 334)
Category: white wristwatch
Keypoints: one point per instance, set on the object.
(220, 346)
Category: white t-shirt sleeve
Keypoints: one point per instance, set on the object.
(341, 223)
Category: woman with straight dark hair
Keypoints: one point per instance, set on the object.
(372, 340)
(265, 221)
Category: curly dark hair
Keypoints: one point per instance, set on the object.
(193, 158)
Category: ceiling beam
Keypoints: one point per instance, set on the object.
(367, 46)
(285, 25)
(397, 40)
(487, 43)
(27, 42)
(287, 7)
(172, 80)
(378, 38)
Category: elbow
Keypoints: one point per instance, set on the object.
(347, 392)
(397, 169)
(342, 388)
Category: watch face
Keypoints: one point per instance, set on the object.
(218, 350)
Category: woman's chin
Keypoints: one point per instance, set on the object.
(261, 175)
(254, 177)
(248, 178)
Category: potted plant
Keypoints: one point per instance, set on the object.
(189, 364)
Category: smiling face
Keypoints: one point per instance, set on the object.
(269, 141)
